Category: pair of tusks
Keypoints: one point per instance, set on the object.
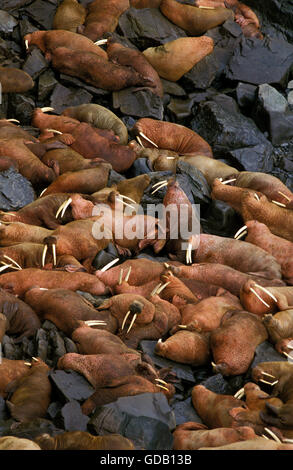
(161, 386)
(146, 138)
(13, 262)
(63, 208)
(272, 434)
(160, 185)
(95, 323)
(240, 394)
(268, 375)
(29, 363)
(159, 288)
(241, 232)
(264, 290)
(286, 354)
(45, 249)
(132, 321)
(109, 265)
(126, 277)
(120, 199)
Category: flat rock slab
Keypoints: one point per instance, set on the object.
(146, 419)
(15, 190)
(184, 412)
(63, 97)
(139, 103)
(71, 385)
(71, 418)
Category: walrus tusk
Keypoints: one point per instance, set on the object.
(109, 265)
(286, 197)
(289, 346)
(101, 41)
(279, 204)
(241, 235)
(160, 182)
(256, 197)
(269, 383)
(140, 142)
(124, 320)
(54, 254)
(287, 355)
(128, 274)
(129, 198)
(268, 375)
(265, 437)
(170, 158)
(160, 187)
(12, 267)
(271, 433)
(5, 267)
(46, 109)
(95, 323)
(43, 192)
(44, 255)
(229, 181)
(154, 291)
(206, 8)
(35, 359)
(188, 254)
(132, 323)
(213, 364)
(162, 381)
(62, 206)
(12, 261)
(120, 277)
(54, 131)
(7, 213)
(149, 140)
(240, 394)
(161, 386)
(290, 441)
(167, 265)
(27, 364)
(159, 341)
(267, 292)
(162, 287)
(26, 44)
(240, 230)
(259, 297)
(182, 326)
(125, 203)
(13, 120)
(43, 288)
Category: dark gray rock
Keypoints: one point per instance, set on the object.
(57, 344)
(148, 28)
(193, 183)
(13, 4)
(99, 93)
(106, 256)
(184, 412)
(183, 371)
(146, 419)
(31, 429)
(218, 384)
(46, 84)
(139, 167)
(114, 178)
(258, 61)
(27, 348)
(63, 97)
(26, 27)
(140, 103)
(71, 418)
(48, 325)
(70, 346)
(15, 190)
(70, 385)
(257, 158)
(95, 300)
(42, 12)
(290, 98)
(172, 88)
(220, 219)
(3, 410)
(266, 352)
(246, 94)
(286, 178)
(42, 344)
(35, 63)
(53, 409)
(23, 107)
(7, 23)
(9, 349)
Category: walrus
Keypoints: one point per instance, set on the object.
(139, 4)
(262, 301)
(22, 256)
(31, 394)
(80, 440)
(121, 55)
(16, 443)
(4, 325)
(280, 325)
(175, 58)
(100, 117)
(15, 80)
(134, 187)
(102, 17)
(69, 160)
(259, 443)
(194, 20)
(9, 371)
(69, 15)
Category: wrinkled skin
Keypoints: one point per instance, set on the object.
(14, 80)
(176, 288)
(134, 187)
(175, 58)
(214, 408)
(22, 320)
(31, 394)
(231, 194)
(26, 255)
(102, 17)
(171, 136)
(20, 281)
(185, 347)
(280, 325)
(11, 370)
(69, 15)
(100, 117)
(139, 4)
(80, 440)
(194, 20)
(192, 436)
(65, 309)
(250, 302)
(19, 232)
(121, 55)
(233, 344)
(69, 160)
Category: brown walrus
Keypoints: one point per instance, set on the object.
(194, 20)
(69, 15)
(79, 440)
(15, 80)
(175, 58)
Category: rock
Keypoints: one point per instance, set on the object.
(7, 23)
(48, 325)
(98, 92)
(180, 109)
(246, 94)
(13, 4)
(173, 88)
(114, 178)
(23, 107)
(63, 97)
(139, 167)
(5, 426)
(35, 63)
(42, 344)
(218, 384)
(32, 429)
(46, 84)
(290, 98)
(15, 190)
(257, 158)
(290, 85)
(146, 419)
(256, 61)
(106, 256)
(70, 346)
(286, 178)
(9, 349)
(220, 219)
(27, 348)
(57, 344)
(266, 352)
(148, 27)
(95, 300)
(53, 409)
(221, 124)
(26, 27)
(272, 113)
(71, 418)
(42, 12)
(3, 410)
(184, 412)
(183, 371)
(70, 385)
(141, 103)
(193, 183)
